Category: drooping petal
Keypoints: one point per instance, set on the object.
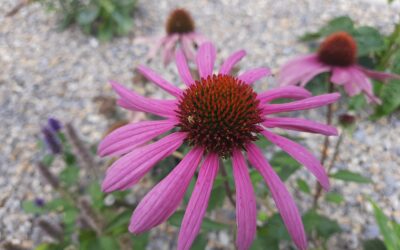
(231, 62)
(301, 154)
(295, 71)
(133, 101)
(188, 47)
(154, 48)
(340, 75)
(245, 203)
(183, 68)
(205, 59)
(131, 136)
(197, 206)
(161, 82)
(162, 201)
(313, 73)
(253, 75)
(299, 124)
(308, 103)
(292, 92)
(130, 168)
(169, 48)
(381, 76)
(283, 200)
(365, 84)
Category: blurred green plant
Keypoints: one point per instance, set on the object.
(375, 51)
(390, 231)
(104, 19)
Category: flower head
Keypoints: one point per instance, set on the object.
(337, 54)
(219, 115)
(180, 32)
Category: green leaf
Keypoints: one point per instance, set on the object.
(303, 186)
(106, 242)
(390, 99)
(284, 165)
(119, 223)
(374, 244)
(200, 242)
(322, 225)
(70, 175)
(208, 225)
(357, 102)
(387, 228)
(88, 15)
(70, 216)
(217, 197)
(369, 40)
(139, 242)
(346, 175)
(31, 207)
(48, 246)
(97, 196)
(263, 143)
(48, 160)
(342, 23)
(334, 198)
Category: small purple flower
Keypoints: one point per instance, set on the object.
(39, 202)
(51, 140)
(54, 124)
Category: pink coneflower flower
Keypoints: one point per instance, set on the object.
(219, 116)
(337, 55)
(181, 32)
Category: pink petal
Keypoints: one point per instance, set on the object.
(381, 76)
(284, 92)
(365, 84)
(301, 68)
(188, 48)
(161, 82)
(301, 154)
(313, 73)
(205, 59)
(169, 48)
(197, 206)
(129, 137)
(253, 75)
(155, 48)
(183, 68)
(340, 75)
(245, 203)
(162, 201)
(299, 124)
(129, 169)
(133, 101)
(308, 103)
(198, 38)
(283, 200)
(231, 62)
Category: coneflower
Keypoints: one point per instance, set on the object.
(180, 32)
(219, 116)
(337, 55)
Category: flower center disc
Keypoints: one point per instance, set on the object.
(338, 49)
(179, 21)
(219, 113)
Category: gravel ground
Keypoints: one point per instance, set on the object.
(44, 72)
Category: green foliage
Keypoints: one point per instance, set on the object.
(320, 224)
(390, 230)
(207, 224)
(303, 186)
(348, 176)
(374, 244)
(334, 198)
(102, 18)
(284, 165)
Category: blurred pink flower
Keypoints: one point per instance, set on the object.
(180, 29)
(220, 117)
(337, 55)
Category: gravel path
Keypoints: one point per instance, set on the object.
(44, 72)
